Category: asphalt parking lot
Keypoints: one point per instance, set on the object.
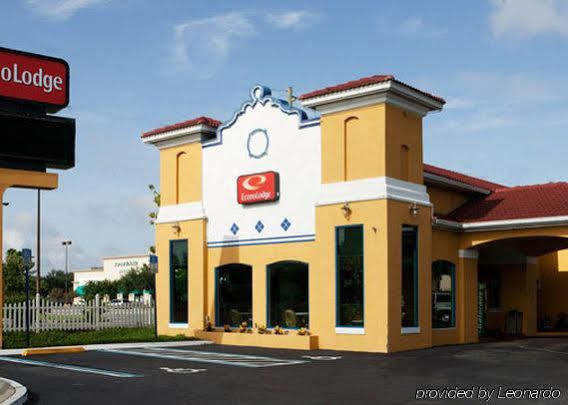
(211, 374)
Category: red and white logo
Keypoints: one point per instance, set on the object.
(34, 78)
(258, 187)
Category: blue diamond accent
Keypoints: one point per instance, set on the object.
(259, 227)
(234, 228)
(285, 224)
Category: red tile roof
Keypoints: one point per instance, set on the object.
(541, 200)
(462, 178)
(365, 81)
(185, 124)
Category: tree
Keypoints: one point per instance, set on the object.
(15, 278)
(56, 279)
(103, 287)
(154, 214)
(137, 280)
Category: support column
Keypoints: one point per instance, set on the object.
(530, 302)
(467, 295)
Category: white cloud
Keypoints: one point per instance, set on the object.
(458, 103)
(415, 27)
(528, 18)
(60, 9)
(201, 45)
(296, 19)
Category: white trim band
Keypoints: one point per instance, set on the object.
(344, 330)
(181, 136)
(180, 212)
(178, 325)
(377, 188)
(468, 254)
(507, 224)
(410, 330)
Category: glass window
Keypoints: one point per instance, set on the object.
(288, 294)
(443, 294)
(178, 281)
(409, 298)
(234, 294)
(349, 257)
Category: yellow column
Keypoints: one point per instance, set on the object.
(529, 307)
(467, 296)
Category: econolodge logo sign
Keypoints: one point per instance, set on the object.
(31, 78)
(258, 188)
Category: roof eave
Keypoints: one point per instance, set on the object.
(390, 91)
(437, 180)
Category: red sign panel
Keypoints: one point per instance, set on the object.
(258, 188)
(34, 78)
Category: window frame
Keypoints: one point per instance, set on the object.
(349, 329)
(416, 327)
(172, 323)
(454, 292)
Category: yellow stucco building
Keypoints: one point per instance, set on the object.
(323, 217)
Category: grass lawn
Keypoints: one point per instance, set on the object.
(16, 340)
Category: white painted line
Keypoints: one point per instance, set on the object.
(70, 367)
(536, 349)
(182, 370)
(228, 359)
(322, 357)
(20, 395)
(10, 352)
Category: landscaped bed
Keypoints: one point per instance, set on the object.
(16, 340)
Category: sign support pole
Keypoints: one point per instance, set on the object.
(38, 255)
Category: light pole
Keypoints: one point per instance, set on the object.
(66, 243)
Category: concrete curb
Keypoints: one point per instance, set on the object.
(55, 350)
(19, 397)
(11, 352)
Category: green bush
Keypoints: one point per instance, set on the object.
(16, 340)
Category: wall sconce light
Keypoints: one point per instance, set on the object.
(346, 210)
(414, 209)
(176, 228)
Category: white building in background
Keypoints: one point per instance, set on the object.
(113, 268)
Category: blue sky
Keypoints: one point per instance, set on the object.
(137, 65)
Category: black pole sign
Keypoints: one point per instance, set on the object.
(31, 86)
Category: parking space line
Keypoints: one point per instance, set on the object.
(539, 349)
(227, 359)
(70, 367)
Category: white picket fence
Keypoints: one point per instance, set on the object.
(95, 314)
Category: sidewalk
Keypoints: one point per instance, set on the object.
(12, 393)
(11, 352)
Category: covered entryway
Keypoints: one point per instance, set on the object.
(510, 291)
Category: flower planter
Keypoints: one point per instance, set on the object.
(289, 341)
